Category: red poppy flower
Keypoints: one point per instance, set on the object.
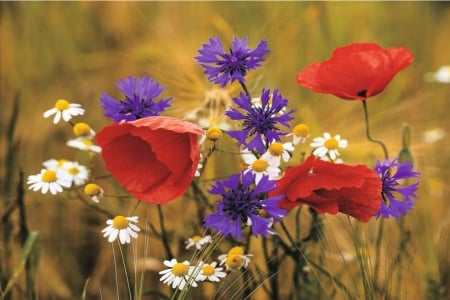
(331, 188)
(356, 71)
(154, 158)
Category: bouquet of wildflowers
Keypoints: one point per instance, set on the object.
(272, 167)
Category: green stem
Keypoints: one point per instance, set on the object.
(164, 239)
(245, 89)
(369, 137)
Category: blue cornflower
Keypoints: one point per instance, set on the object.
(398, 199)
(222, 67)
(260, 122)
(244, 203)
(140, 100)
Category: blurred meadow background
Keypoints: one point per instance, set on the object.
(77, 50)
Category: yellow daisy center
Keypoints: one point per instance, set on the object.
(179, 269)
(301, 130)
(214, 133)
(236, 251)
(73, 171)
(259, 165)
(233, 261)
(276, 149)
(92, 189)
(331, 144)
(196, 238)
(61, 162)
(81, 129)
(208, 270)
(49, 176)
(120, 222)
(88, 143)
(62, 104)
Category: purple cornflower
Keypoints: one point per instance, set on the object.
(260, 121)
(397, 198)
(139, 102)
(224, 67)
(244, 203)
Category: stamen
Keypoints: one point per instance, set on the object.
(276, 149)
(73, 171)
(196, 238)
(81, 129)
(120, 222)
(49, 176)
(301, 130)
(92, 189)
(331, 144)
(208, 270)
(260, 165)
(214, 133)
(179, 269)
(62, 104)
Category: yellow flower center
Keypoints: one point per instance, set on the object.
(259, 165)
(331, 144)
(276, 149)
(214, 133)
(49, 176)
(233, 261)
(301, 130)
(81, 129)
(196, 238)
(73, 171)
(120, 222)
(236, 251)
(92, 189)
(208, 270)
(179, 269)
(61, 162)
(88, 143)
(62, 104)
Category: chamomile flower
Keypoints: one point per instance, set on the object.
(65, 110)
(235, 259)
(198, 241)
(210, 272)
(48, 180)
(178, 274)
(84, 143)
(94, 191)
(55, 164)
(82, 129)
(261, 166)
(78, 174)
(278, 151)
(123, 227)
(328, 145)
(300, 133)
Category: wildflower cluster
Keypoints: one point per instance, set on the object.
(158, 158)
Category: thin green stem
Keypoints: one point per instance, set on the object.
(368, 135)
(244, 87)
(164, 239)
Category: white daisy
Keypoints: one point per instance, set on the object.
(261, 166)
(83, 143)
(48, 180)
(299, 133)
(210, 272)
(64, 109)
(122, 227)
(328, 145)
(442, 75)
(235, 259)
(94, 191)
(278, 151)
(178, 275)
(78, 174)
(198, 241)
